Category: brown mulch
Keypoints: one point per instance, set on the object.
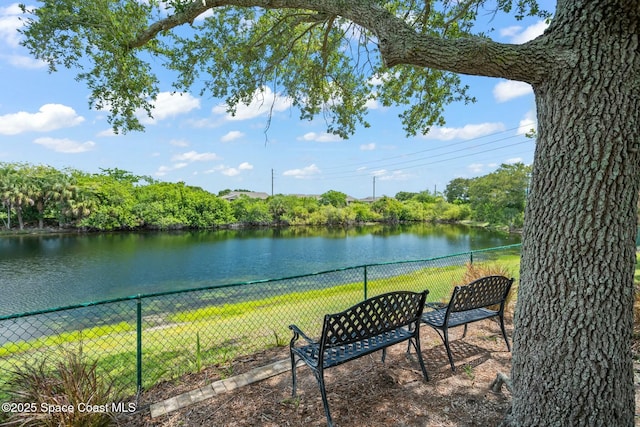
(363, 392)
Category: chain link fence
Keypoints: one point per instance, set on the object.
(145, 339)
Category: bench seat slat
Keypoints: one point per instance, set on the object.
(436, 318)
(334, 356)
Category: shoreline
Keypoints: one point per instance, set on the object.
(49, 231)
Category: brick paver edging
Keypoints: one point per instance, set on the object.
(218, 387)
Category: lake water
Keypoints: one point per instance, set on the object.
(40, 272)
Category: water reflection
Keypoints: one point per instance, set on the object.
(40, 272)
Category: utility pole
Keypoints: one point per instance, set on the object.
(374, 188)
(271, 182)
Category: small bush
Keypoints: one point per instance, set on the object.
(476, 271)
(65, 392)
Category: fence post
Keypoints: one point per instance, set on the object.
(139, 342)
(365, 282)
(471, 257)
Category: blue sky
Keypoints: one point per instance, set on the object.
(45, 119)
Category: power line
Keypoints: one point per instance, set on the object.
(430, 149)
(360, 176)
(389, 165)
(441, 154)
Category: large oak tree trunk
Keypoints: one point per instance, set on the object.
(572, 362)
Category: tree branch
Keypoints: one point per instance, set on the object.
(398, 42)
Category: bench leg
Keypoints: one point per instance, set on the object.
(445, 338)
(293, 374)
(323, 393)
(416, 344)
(504, 333)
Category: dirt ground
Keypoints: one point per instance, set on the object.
(363, 392)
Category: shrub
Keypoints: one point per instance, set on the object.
(477, 271)
(66, 392)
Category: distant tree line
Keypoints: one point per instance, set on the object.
(114, 199)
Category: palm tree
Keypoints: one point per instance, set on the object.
(78, 204)
(48, 186)
(15, 191)
(6, 172)
(19, 194)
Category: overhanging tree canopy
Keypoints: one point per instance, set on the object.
(571, 359)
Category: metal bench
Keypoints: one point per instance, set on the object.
(369, 326)
(468, 304)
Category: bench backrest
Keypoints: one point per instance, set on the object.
(372, 317)
(486, 291)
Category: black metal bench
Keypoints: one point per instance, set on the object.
(468, 304)
(368, 326)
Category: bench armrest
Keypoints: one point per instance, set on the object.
(297, 333)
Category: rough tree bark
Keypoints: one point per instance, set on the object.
(572, 360)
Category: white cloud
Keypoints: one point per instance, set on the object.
(319, 137)
(513, 160)
(476, 167)
(395, 176)
(518, 35)
(202, 123)
(204, 15)
(179, 142)
(510, 89)
(10, 37)
(231, 171)
(21, 61)
(303, 173)
(63, 145)
(372, 104)
(264, 101)
(368, 147)
(465, 132)
(169, 104)
(163, 170)
(9, 24)
(232, 135)
(378, 80)
(511, 31)
(106, 133)
(528, 123)
(49, 117)
(194, 156)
